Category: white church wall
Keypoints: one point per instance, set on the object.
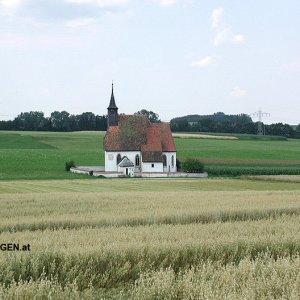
(169, 167)
(111, 162)
(152, 167)
(111, 159)
(127, 171)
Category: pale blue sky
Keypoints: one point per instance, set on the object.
(175, 57)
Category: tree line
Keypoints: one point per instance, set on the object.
(58, 121)
(64, 121)
(220, 122)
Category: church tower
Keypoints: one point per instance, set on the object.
(112, 110)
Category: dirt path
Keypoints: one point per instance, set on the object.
(203, 136)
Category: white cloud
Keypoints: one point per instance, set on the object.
(80, 22)
(39, 42)
(293, 66)
(13, 42)
(9, 7)
(238, 92)
(45, 92)
(239, 39)
(101, 3)
(205, 62)
(123, 13)
(216, 17)
(223, 31)
(11, 3)
(167, 2)
(222, 36)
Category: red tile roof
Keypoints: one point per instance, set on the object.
(129, 135)
(154, 138)
(137, 133)
(152, 156)
(167, 140)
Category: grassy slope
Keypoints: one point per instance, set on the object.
(45, 156)
(240, 150)
(42, 155)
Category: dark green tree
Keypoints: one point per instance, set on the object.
(60, 121)
(33, 120)
(101, 123)
(280, 129)
(74, 122)
(87, 121)
(152, 116)
(180, 125)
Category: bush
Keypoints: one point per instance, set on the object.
(233, 171)
(192, 165)
(70, 164)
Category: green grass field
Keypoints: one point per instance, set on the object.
(42, 155)
(35, 155)
(151, 239)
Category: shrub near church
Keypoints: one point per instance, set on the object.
(192, 165)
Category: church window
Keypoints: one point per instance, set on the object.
(172, 160)
(165, 160)
(137, 160)
(118, 158)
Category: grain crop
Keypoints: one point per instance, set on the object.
(21, 212)
(150, 239)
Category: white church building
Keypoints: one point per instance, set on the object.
(133, 144)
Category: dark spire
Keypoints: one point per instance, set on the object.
(112, 110)
(112, 103)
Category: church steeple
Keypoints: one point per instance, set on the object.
(112, 110)
(112, 103)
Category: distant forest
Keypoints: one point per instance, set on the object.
(218, 122)
(58, 121)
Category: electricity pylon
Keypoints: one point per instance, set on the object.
(260, 125)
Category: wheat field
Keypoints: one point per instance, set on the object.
(156, 239)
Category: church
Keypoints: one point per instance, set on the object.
(133, 144)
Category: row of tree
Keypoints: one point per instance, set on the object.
(58, 121)
(63, 121)
(220, 122)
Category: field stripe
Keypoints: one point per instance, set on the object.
(219, 217)
(120, 185)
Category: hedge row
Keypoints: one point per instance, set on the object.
(238, 171)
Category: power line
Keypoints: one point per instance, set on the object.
(260, 125)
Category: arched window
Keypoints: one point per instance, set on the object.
(172, 160)
(118, 158)
(165, 160)
(137, 160)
